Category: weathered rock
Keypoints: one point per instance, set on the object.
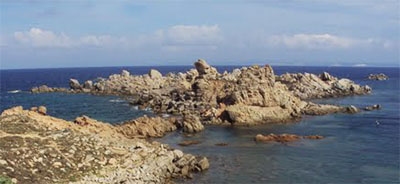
(203, 164)
(66, 152)
(42, 110)
(380, 76)
(203, 68)
(88, 84)
(326, 76)
(125, 73)
(192, 124)
(310, 86)
(155, 74)
(373, 107)
(252, 115)
(74, 84)
(147, 127)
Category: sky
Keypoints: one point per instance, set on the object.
(75, 33)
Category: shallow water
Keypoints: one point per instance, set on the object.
(355, 150)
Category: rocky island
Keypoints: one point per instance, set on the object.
(245, 96)
(40, 148)
(379, 77)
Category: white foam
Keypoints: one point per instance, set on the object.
(14, 91)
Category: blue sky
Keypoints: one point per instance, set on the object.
(43, 34)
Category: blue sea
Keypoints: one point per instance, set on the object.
(355, 149)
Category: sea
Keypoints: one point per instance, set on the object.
(356, 149)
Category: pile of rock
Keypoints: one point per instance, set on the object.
(310, 86)
(37, 148)
(379, 76)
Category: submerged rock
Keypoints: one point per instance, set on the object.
(284, 138)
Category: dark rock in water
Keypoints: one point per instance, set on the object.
(380, 76)
(188, 142)
(373, 107)
(352, 109)
(284, 138)
(221, 144)
(74, 84)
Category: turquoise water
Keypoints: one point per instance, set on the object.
(354, 150)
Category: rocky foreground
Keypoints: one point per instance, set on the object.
(246, 96)
(37, 148)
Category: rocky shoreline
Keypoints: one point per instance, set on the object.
(89, 151)
(36, 148)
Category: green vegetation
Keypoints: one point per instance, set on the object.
(5, 180)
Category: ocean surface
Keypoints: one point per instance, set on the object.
(355, 149)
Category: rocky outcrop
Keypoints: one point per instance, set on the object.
(246, 96)
(147, 127)
(253, 115)
(323, 109)
(192, 124)
(46, 89)
(284, 138)
(74, 84)
(379, 76)
(310, 86)
(373, 107)
(42, 149)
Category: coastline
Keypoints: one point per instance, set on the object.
(329, 109)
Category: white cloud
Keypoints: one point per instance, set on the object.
(311, 41)
(42, 38)
(192, 35)
(37, 37)
(360, 65)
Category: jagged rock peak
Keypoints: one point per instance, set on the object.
(203, 67)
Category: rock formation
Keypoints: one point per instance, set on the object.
(380, 76)
(246, 96)
(36, 148)
(310, 86)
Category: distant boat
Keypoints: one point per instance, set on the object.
(14, 91)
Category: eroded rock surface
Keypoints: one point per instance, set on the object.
(37, 148)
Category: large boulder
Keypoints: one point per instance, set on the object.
(125, 73)
(74, 84)
(203, 68)
(88, 84)
(155, 74)
(252, 115)
(192, 124)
